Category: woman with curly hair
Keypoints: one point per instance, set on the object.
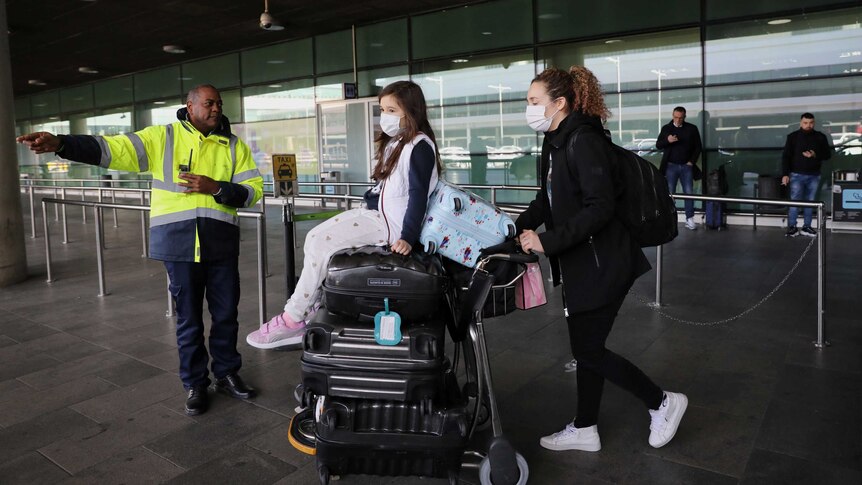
(590, 250)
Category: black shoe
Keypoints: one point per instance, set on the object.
(232, 385)
(792, 232)
(198, 401)
(807, 231)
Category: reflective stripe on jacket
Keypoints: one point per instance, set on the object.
(188, 227)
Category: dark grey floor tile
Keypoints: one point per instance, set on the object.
(767, 468)
(168, 360)
(821, 435)
(31, 403)
(128, 400)
(842, 355)
(6, 341)
(142, 347)
(21, 330)
(35, 433)
(238, 465)
(26, 365)
(31, 468)
(740, 394)
(652, 470)
(59, 374)
(275, 443)
(226, 424)
(137, 466)
(820, 388)
(712, 441)
(11, 388)
(83, 451)
(129, 373)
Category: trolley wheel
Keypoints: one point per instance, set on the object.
(485, 471)
(323, 474)
(431, 247)
(300, 432)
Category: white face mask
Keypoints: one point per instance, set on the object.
(536, 117)
(390, 123)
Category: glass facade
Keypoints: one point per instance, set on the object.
(745, 71)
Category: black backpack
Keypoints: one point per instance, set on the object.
(645, 206)
(716, 181)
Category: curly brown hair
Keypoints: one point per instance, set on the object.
(580, 88)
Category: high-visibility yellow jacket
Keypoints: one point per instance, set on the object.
(183, 226)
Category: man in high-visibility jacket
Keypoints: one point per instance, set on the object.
(201, 174)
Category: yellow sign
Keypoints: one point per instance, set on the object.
(284, 167)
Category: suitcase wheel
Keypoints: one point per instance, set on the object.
(329, 419)
(323, 474)
(457, 202)
(485, 472)
(430, 247)
(510, 231)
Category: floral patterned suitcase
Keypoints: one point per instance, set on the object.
(458, 224)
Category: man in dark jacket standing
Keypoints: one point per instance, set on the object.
(681, 144)
(804, 153)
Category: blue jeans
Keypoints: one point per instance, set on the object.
(802, 187)
(683, 173)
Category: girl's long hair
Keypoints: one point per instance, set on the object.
(409, 96)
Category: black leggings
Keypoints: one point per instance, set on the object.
(588, 332)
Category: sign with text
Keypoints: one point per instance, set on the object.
(284, 167)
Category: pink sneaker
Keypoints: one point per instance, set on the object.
(278, 332)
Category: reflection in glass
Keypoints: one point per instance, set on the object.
(817, 44)
(298, 136)
(276, 101)
(761, 115)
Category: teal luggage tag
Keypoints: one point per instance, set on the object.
(387, 326)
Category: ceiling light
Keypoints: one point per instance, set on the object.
(87, 70)
(779, 22)
(274, 85)
(267, 21)
(173, 49)
(487, 33)
(460, 61)
(159, 102)
(35, 82)
(275, 61)
(613, 41)
(549, 16)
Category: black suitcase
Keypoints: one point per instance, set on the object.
(372, 437)
(341, 358)
(358, 280)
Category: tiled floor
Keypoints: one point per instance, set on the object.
(89, 392)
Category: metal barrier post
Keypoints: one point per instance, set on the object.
(265, 252)
(658, 267)
(100, 214)
(261, 279)
(83, 207)
(47, 241)
(145, 252)
(56, 207)
(821, 341)
(63, 208)
(289, 256)
(99, 258)
(114, 201)
(32, 214)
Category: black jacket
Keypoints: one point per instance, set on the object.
(583, 238)
(689, 143)
(800, 141)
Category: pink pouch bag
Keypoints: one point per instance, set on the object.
(530, 289)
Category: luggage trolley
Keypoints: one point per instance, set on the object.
(449, 424)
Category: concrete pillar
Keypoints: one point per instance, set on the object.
(13, 258)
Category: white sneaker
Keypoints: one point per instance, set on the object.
(665, 419)
(689, 223)
(571, 438)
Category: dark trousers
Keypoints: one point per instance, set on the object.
(588, 332)
(218, 281)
